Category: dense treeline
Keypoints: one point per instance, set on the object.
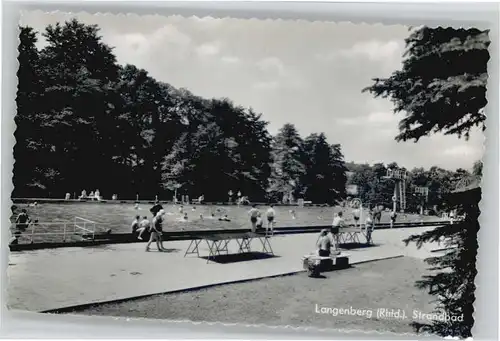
(85, 122)
(374, 189)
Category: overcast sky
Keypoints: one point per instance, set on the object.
(308, 74)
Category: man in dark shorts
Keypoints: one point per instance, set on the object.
(270, 218)
(156, 231)
(254, 214)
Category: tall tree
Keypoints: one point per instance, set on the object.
(287, 163)
(78, 74)
(324, 178)
(146, 129)
(339, 171)
(442, 88)
(442, 84)
(222, 148)
(29, 178)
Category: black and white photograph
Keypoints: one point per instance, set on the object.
(282, 173)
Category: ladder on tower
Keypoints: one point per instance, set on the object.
(402, 194)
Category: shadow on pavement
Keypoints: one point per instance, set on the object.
(352, 246)
(154, 249)
(172, 250)
(239, 257)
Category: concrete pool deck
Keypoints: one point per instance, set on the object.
(56, 278)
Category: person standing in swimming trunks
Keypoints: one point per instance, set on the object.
(338, 222)
(355, 215)
(158, 225)
(254, 214)
(270, 218)
(154, 237)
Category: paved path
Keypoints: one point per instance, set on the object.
(50, 279)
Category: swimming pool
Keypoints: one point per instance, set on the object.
(119, 216)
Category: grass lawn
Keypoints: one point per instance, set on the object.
(118, 217)
(291, 300)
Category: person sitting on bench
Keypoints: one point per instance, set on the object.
(324, 244)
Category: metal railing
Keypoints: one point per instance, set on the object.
(88, 225)
(65, 229)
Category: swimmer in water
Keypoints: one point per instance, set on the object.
(181, 209)
(185, 216)
(194, 208)
(136, 206)
(292, 213)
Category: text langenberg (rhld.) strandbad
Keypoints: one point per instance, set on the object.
(386, 313)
